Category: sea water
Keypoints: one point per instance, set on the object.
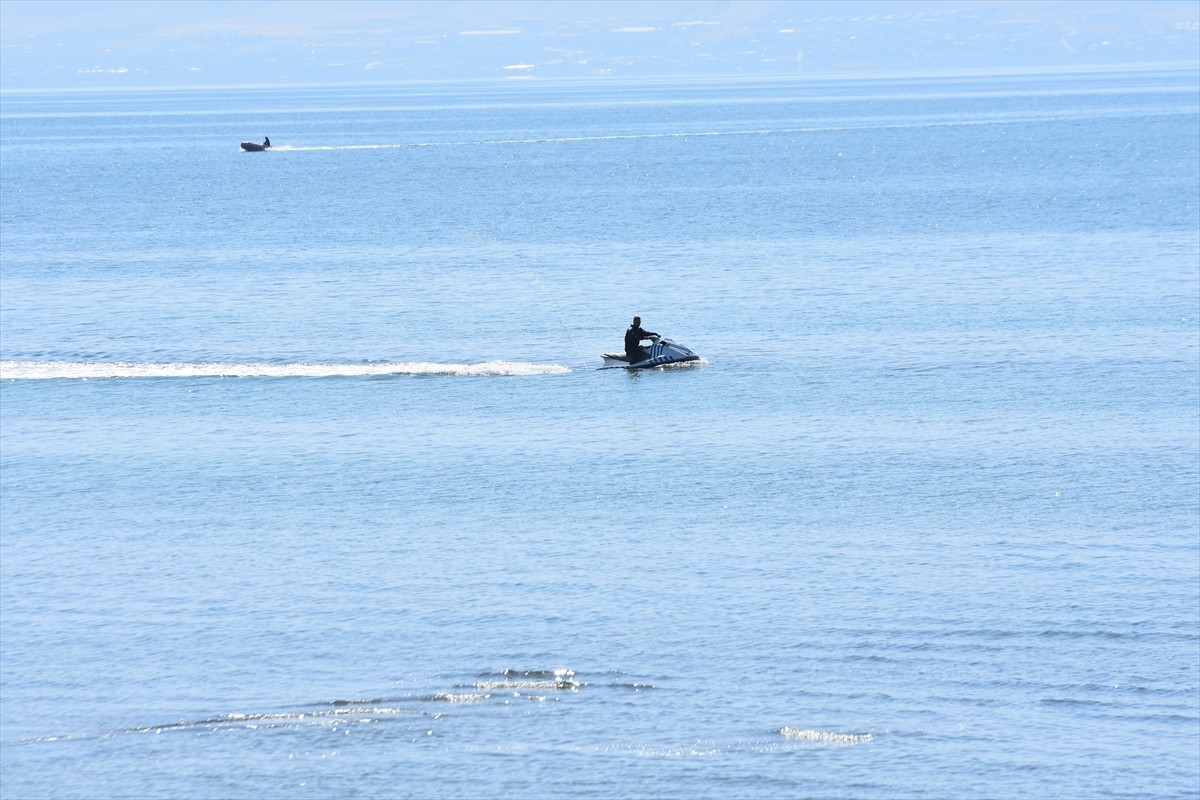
(311, 487)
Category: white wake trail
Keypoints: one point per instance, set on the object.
(89, 370)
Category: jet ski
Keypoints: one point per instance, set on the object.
(255, 147)
(660, 353)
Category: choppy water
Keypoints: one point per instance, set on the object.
(311, 488)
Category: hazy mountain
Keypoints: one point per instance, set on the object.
(111, 43)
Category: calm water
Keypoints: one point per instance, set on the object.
(311, 488)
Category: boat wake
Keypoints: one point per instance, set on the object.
(999, 118)
(94, 370)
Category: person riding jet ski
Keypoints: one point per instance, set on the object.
(661, 353)
(633, 341)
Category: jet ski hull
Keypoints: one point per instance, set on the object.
(253, 147)
(659, 354)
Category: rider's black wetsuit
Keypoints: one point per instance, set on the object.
(633, 343)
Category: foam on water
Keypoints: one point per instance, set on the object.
(514, 685)
(824, 737)
(518, 680)
(424, 715)
(43, 370)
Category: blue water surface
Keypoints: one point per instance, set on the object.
(311, 488)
